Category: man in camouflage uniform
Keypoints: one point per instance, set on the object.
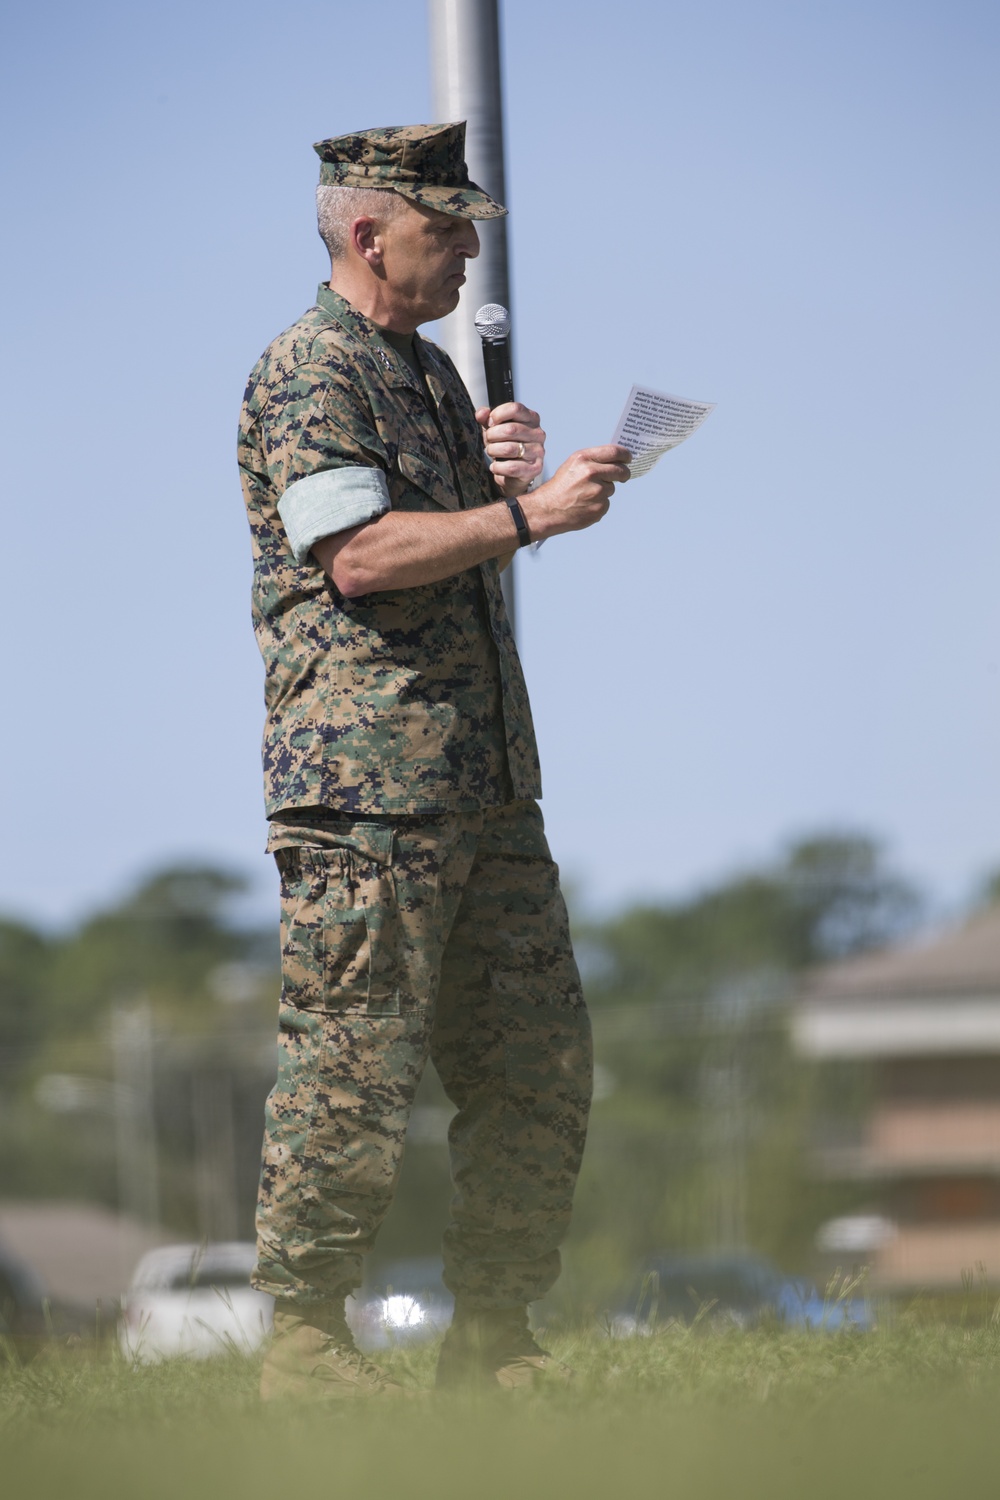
(421, 911)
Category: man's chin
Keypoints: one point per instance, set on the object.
(441, 306)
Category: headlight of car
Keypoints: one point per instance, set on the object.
(399, 1311)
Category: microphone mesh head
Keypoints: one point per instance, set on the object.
(493, 321)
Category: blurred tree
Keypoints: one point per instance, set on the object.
(829, 896)
(989, 891)
(165, 940)
(702, 1140)
(25, 963)
(212, 986)
(844, 897)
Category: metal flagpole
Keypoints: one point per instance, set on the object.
(465, 63)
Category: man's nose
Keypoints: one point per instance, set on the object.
(469, 246)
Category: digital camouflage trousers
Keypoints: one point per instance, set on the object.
(402, 940)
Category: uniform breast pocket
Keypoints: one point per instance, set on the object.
(340, 940)
(419, 481)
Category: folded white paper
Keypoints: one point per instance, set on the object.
(653, 423)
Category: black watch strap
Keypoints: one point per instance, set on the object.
(523, 534)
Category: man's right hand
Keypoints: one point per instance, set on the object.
(579, 492)
(404, 549)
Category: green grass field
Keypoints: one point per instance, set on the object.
(912, 1409)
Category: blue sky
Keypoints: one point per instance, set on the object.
(788, 209)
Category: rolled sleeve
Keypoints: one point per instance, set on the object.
(329, 501)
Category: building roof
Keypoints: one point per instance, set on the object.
(962, 961)
(938, 996)
(80, 1252)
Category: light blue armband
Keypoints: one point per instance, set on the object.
(331, 501)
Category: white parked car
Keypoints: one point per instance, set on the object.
(194, 1301)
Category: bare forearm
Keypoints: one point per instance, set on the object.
(404, 549)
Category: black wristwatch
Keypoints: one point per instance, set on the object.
(523, 534)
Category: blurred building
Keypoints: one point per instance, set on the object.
(927, 1021)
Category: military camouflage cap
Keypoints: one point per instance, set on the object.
(422, 162)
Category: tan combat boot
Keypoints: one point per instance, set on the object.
(490, 1350)
(313, 1357)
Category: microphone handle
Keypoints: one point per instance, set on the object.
(499, 377)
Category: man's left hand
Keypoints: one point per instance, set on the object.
(515, 445)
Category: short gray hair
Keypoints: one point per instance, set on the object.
(337, 208)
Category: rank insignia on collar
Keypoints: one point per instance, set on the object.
(383, 357)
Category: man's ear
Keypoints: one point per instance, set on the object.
(366, 241)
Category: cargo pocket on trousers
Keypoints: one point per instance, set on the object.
(340, 932)
(359, 1107)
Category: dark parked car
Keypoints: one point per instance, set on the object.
(739, 1289)
(27, 1315)
(22, 1301)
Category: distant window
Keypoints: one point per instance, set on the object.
(207, 1276)
(958, 1198)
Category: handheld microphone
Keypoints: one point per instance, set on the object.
(493, 327)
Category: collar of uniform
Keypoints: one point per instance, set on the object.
(395, 369)
(435, 371)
